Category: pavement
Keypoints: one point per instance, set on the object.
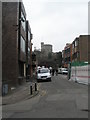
(21, 93)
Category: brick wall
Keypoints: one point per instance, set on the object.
(83, 47)
(9, 43)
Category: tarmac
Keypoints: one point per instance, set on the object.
(25, 91)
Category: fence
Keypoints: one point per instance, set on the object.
(80, 72)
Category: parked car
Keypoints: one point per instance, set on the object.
(62, 71)
(65, 71)
(43, 74)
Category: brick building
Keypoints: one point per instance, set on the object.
(75, 50)
(14, 47)
(67, 55)
(78, 50)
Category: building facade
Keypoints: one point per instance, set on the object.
(22, 41)
(78, 50)
(75, 50)
(14, 44)
(67, 55)
(28, 50)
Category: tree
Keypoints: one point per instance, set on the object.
(59, 58)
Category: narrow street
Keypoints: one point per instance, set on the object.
(37, 39)
(59, 98)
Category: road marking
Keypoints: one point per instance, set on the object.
(43, 92)
(38, 86)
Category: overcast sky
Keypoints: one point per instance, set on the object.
(56, 22)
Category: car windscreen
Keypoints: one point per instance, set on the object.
(65, 69)
(43, 71)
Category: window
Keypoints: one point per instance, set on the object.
(28, 35)
(76, 43)
(73, 45)
(23, 22)
(28, 49)
(22, 44)
(28, 53)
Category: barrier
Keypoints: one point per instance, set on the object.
(80, 72)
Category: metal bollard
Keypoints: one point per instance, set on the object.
(35, 86)
(31, 90)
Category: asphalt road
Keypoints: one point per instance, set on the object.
(59, 98)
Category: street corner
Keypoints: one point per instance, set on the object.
(35, 90)
(33, 95)
(38, 86)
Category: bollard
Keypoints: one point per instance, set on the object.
(35, 86)
(31, 90)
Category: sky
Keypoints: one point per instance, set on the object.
(56, 22)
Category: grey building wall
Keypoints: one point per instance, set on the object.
(13, 58)
(28, 49)
(9, 43)
(0, 50)
(46, 48)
